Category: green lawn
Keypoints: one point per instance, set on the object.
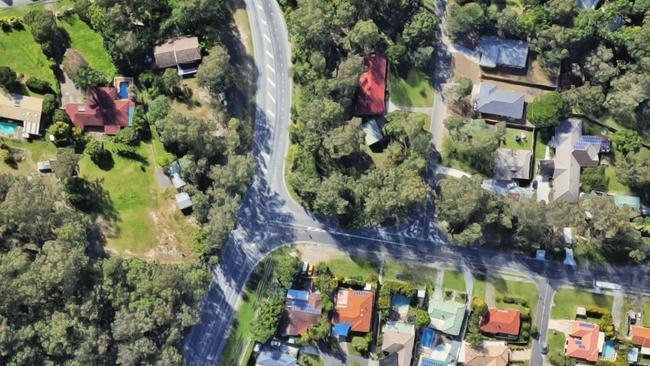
(566, 301)
(22, 54)
(510, 142)
(19, 10)
(646, 313)
(240, 331)
(144, 213)
(628, 305)
(478, 288)
(414, 91)
(89, 43)
(520, 289)
(555, 341)
(454, 280)
(349, 267)
(33, 152)
(540, 147)
(417, 275)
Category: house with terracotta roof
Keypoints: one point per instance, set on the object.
(352, 311)
(372, 86)
(489, 354)
(502, 323)
(104, 111)
(640, 336)
(585, 342)
(301, 309)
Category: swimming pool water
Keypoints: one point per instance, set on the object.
(124, 90)
(608, 350)
(7, 128)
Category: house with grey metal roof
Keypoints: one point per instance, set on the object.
(491, 101)
(572, 152)
(497, 51)
(275, 357)
(512, 164)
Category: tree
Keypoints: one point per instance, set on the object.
(476, 201)
(97, 152)
(39, 86)
(89, 78)
(215, 72)
(547, 110)
(46, 32)
(344, 141)
(62, 133)
(420, 29)
(171, 81)
(594, 179)
(459, 88)
(330, 195)
(7, 77)
(463, 20)
(626, 94)
(626, 141)
(507, 23)
(268, 317)
(66, 164)
(561, 11)
(128, 136)
(285, 269)
(598, 65)
(158, 109)
(587, 99)
(364, 36)
(475, 142)
(420, 317)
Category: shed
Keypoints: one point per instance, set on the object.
(178, 181)
(372, 129)
(44, 166)
(632, 355)
(581, 311)
(183, 201)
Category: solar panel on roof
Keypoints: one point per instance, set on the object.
(359, 293)
(430, 362)
(588, 325)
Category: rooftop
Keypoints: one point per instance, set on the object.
(275, 357)
(446, 316)
(497, 51)
(302, 309)
(499, 102)
(373, 132)
(512, 164)
(488, 355)
(502, 322)
(640, 336)
(354, 307)
(103, 109)
(372, 86)
(22, 108)
(177, 51)
(584, 341)
(399, 338)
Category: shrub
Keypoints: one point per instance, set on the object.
(97, 152)
(596, 312)
(8, 76)
(547, 110)
(38, 86)
(419, 317)
(128, 136)
(361, 344)
(61, 115)
(8, 23)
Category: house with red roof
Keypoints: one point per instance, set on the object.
(103, 111)
(502, 323)
(301, 309)
(585, 342)
(640, 336)
(352, 311)
(372, 86)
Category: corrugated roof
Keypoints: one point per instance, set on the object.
(566, 177)
(499, 102)
(512, 164)
(502, 322)
(372, 86)
(177, 51)
(373, 132)
(22, 108)
(497, 51)
(446, 316)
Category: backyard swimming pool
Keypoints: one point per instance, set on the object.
(124, 90)
(609, 351)
(7, 128)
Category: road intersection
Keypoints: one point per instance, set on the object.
(269, 218)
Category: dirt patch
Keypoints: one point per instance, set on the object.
(175, 233)
(316, 253)
(466, 67)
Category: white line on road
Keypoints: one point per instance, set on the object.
(263, 20)
(269, 54)
(270, 68)
(271, 96)
(270, 82)
(270, 112)
(267, 38)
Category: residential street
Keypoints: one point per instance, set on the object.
(269, 219)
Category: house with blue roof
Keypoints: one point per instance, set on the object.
(496, 52)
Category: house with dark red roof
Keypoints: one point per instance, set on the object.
(372, 86)
(352, 311)
(103, 111)
(502, 323)
(301, 309)
(585, 342)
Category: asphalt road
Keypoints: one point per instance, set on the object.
(269, 219)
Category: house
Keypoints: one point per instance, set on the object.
(502, 323)
(183, 201)
(497, 52)
(572, 152)
(301, 309)
(372, 86)
(104, 111)
(443, 353)
(398, 341)
(447, 316)
(352, 311)
(284, 356)
(585, 341)
(588, 4)
(640, 336)
(20, 114)
(182, 53)
(499, 103)
(512, 164)
(489, 354)
(372, 129)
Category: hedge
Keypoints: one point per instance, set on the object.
(595, 311)
(38, 86)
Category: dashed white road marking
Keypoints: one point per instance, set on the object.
(263, 20)
(267, 38)
(270, 82)
(270, 68)
(270, 112)
(270, 96)
(269, 54)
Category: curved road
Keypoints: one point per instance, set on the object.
(268, 218)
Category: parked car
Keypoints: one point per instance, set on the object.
(645, 211)
(304, 267)
(534, 184)
(310, 269)
(544, 350)
(222, 98)
(512, 185)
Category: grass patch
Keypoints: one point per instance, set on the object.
(240, 331)
(195, 107)
(146, 216)
(524, 144)
(478, 287)
(22, 54)
(19, 10)
(32, 153)
(89, 43)
(416, 275)
(566, 301)
(555, 341)
(379, 159)
(646, 312)
(520, 289)
(349, 267)
(414, 91)
(241, 20)
(454, 280)
(540, 146)
(628, 305)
